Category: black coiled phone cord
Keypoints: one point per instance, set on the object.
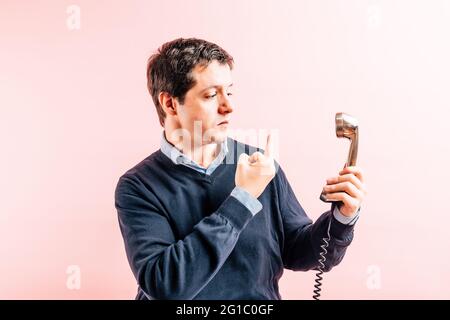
(322, 259)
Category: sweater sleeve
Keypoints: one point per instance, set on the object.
(303, 239)
(170, 268)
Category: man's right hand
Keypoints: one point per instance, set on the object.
(253, 173)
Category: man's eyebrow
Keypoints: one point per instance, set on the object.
(214, 86)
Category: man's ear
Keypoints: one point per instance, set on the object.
(168, 103)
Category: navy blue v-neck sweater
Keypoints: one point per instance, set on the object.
(187, 238)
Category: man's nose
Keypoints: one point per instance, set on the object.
(225, 105)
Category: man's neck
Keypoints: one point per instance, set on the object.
(194, 149)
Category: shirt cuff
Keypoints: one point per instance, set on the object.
(247, 200)
(344, 219)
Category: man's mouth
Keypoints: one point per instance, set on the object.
(223, 122)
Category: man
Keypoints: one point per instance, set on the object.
(208, 217)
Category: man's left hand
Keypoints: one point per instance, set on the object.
(349, 188)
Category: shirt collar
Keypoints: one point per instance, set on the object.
(178, 157)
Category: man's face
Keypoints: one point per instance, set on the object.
(208, 104)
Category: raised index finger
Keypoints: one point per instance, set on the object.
(269, 150)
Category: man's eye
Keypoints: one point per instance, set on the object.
(211, 96)
(229, 94)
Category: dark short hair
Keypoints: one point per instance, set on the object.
(169, 69)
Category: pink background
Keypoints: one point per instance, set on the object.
(75, 114)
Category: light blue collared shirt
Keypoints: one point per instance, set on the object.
(252, 203)
(178, 157)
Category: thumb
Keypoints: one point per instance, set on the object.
(255, 157)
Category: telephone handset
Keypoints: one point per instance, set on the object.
(346, 127)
